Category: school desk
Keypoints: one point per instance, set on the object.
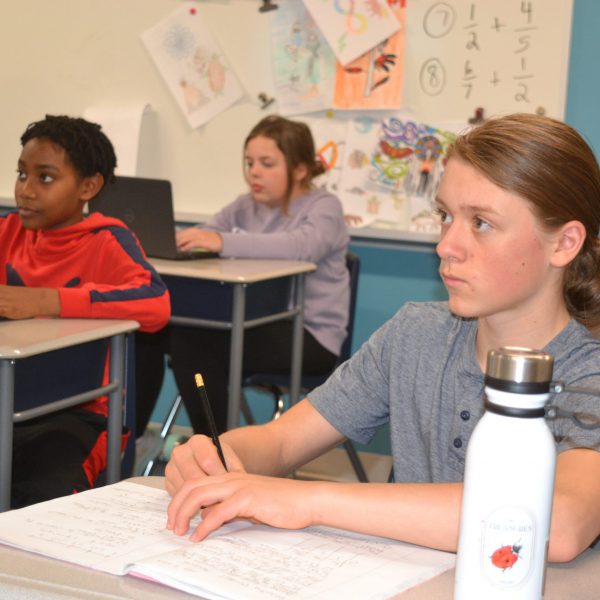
(22, 339)
(236, 294)
(25, 575)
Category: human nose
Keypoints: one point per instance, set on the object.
(254, 170)
(452, 242)
(23, 188)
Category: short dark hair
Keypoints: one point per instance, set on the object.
(88, 148)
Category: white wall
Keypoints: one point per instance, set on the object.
(61, 56)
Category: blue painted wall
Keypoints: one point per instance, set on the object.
(583, 96)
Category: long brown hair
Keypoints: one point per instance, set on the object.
(548, 163)
(295, 141)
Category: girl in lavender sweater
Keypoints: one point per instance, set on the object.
(282, 216)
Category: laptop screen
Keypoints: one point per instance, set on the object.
(146, 207)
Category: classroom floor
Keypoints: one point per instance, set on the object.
(332, 466)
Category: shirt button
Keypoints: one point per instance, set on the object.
(457, 443)
(465, 415)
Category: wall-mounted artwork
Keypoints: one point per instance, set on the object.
(330, 142)
(392, 169)
(308, 78)
(192, 65)
(352, 27)
(303, 63)
(374, 80)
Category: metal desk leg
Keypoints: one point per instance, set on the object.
(7, 407)
(297, 339)
(235, 358)
(115, 409)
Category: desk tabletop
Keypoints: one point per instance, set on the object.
(232, 270)
(24, 576)
(28, 337)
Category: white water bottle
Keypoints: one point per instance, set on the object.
(509, 483)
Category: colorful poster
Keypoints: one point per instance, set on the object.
(192, 65)
(303, 63)
(375, 80)
(392, 169)
(352, 27)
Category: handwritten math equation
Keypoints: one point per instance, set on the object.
(501, 53)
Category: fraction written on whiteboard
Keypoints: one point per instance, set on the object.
(503, 55)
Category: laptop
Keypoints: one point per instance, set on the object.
(146, 207)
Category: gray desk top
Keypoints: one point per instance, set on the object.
(26, 576)
(28, 337)
(232, 270)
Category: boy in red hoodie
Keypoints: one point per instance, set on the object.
(56, 262)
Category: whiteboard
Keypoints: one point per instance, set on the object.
(501, 55)
(63, 56)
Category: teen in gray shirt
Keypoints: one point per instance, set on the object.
(420, 374)
(519, 204)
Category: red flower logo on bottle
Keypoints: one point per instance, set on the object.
(506, 556)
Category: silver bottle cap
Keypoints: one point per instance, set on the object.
(520, 365)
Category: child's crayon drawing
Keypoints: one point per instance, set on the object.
(374, 80)
(330, 142)
(192, 65)
(308, 78)
(352, 27)
(303, 63)
(394, 165)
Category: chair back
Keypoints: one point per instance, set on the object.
(353, 266)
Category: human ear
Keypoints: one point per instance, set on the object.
(570, 238)
(300, 173)
(91, 186)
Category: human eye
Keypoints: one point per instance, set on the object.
(45, 178)
(480, 224)
(21, 175)
(443, 215)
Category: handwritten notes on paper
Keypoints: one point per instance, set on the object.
(505, 56)
(104, 530)
(317, 563)
(120, 529)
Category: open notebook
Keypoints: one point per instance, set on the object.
(146, 207)
(120, 529)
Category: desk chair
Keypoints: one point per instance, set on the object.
(69, 374)
(277, 384)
